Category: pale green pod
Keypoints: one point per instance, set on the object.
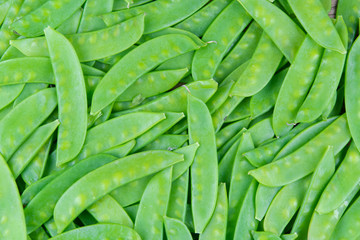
(176, 229)
(90, 19)
(178, 197)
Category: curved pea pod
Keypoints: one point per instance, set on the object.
(12, 216)
(240, 53)
(153, 206)
(70, 25)
(116, 131)
(90, 19)
(9, 93)
(322, 29)
(218, 222)
(265, 99)
(99, 231)
(326, 80)
(264, 236)
(51, 192)
(286, 35)
(152, 84)
(178, 197)
(347, 228)
(350, 11)
(50, 227)
(219, 97)
(239, 182)
(153, 20)
(304, 67)
(91, 71)
(71, 96)
(4, 9)
(176, 100)
(319, 179)
(246, 221)
(198, 22)
(322, 225)
(39, 234)
(240, 112)
(24, 154)
(331, 108)
(221, 114)
(11, 52)
(109, 177)
(221, 33)
(176, 230)
(52, 13)
(108, 210)
(284, 206)
(28, 6)
(91, 45)
(304, 160)
(204, 170)
(263, 199)
(260, 69)
(28, 90)
(126, 4)
(21, 70)
(167, 142)
(146, 57)
(121, 150)
(226, 133)
(181, 61)
(344, 181)
(35, 109)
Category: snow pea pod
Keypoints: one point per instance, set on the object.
(350, 11)
(178, 197)
(176, 230)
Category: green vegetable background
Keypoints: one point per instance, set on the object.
(179, 120)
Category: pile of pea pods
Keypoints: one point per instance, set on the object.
(179, 120)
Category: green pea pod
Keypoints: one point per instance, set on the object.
(28, 90)
(9, 93)
(286, 35)
(35, 109)
(261, 68)
(102, 231)
(319, 26)
(204, 170)
(344, 181)
(222, 32)
(154, 21)
(121, 150)
(109, 177)
(146, 57)
(38, 234)
(90, 19)
(176, 230)
(178, 197)
(12, 216)
(91, 45)
(264, 236)
(220, 96)
(229, 131)
(319, 179)
(326, 80)
(285, 111)
(218, 222)
(350, 11)
(240, 112)
(126, 4)
(304, 160)
(167, 142)
(70, 25)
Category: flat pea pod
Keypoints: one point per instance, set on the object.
(350, 11)
(225, 110)
(304, 67)
(122, 75)
(178, 197)
(326, 80)
(246, 221)
(347, 226)
(39, 234)
(125, 4)
(352, 106)
(153, 20)
(90, 19)
(222, 33)
(240, 53)
(167, 142)
(23, 155)
(50, 227)
(91, 45)
(70, 25)
(260, 69)
(220, 96)
(265, 99)
(35, 109)
(218, 222)
(153, 206)
(121, 150)
(286, 35)
(99, 231)
(304, 160)
(109, 177)
(331, 106)
(204, 170)
(71, 96)
(176, 229)
(176, 100)
(4, 7)
(229, 131)
(28, 6)
(108, 210)
(322, 225)
(257, 235)
(284, 206)
(47, 197)
(240, 112)
(12, 216)
(10, 53)
(9, 93)
(322, 29)
(181, 61)
(28, 90)
(200, 21)
(52, 13)
(21, 70)
(117, 131)
(344, 181)
(319, 179)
